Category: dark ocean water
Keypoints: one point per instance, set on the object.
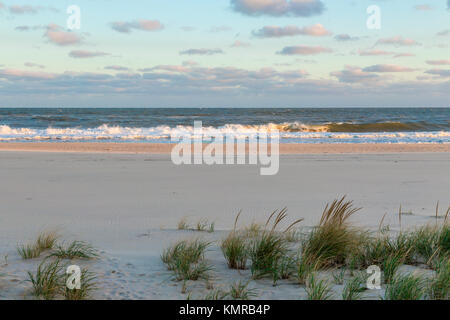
(309, 125)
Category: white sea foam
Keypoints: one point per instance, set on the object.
(308, 134)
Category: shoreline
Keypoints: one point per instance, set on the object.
(165, 148)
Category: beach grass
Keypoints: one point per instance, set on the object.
(405, 287)
(235, 250)
(45, 241)
(48, 280)
(75, 250)
(186, 260)
(439, 288)
(87, 287)
(268, 250)
(333, 240)
(183, 224)
(28, 251)
(317, 289)
(354, 288)
(240, 291)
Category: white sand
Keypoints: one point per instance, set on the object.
(129, 205)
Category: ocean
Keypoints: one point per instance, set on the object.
(306, 125)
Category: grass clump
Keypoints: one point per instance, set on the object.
(354, 288)
(240, 291)
(87, 286)
(205, 226)
(333, 240)
(48, 280)
(432, 242)
(235, 251)
(28, 251)
(45, 241)
(183, 225)
(186, 260)
(439, 288)
(405, 287)
(76, 249)
(390, 266)
(317, 289)
(269, 248)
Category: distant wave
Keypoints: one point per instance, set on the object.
(289, 132)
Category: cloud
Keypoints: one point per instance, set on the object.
(439, 72)
(15, 74)
(34, 65)
(316, 30)
(116, 68)
(398, 41)
(354, 75)
(345, 37)
(438, 62)
(423, 7)
(299, 8)
(143, 25)
(189, 63)
(403, 55)
(216, 86)
(387, 68)
(187, 28)
(240, 44)
(304, 50)
(205, 52)
(216, 29)
(443, 33)
(56, 35)
(82, 54)
(16, 9)
(448, 4)
(375, 53)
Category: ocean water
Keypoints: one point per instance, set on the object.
(308, 125)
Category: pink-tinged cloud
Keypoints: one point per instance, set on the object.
(82, 54)
(143, 25)
(345, 37)
(116, 68)
(17, 9)
(34, 65)
(316, 30)
(57, 35)
(304, 50)
(375, 53)
(2, 6)
(21, 74)
(423, 7)
(404, 55)
(204, 52)
(387, 68)
(355, 75)
(302, 8)
(240, 44)
(398, 41)
(438, 62)
(444, 73)
(189, 63)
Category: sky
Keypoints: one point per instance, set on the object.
(225, 53)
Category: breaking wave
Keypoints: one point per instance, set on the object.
(388, 132)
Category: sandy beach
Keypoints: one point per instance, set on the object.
(165, 148)
(128, 205)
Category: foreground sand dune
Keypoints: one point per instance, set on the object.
(129, 206)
